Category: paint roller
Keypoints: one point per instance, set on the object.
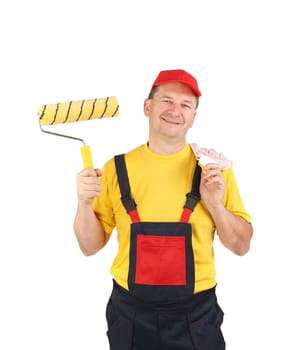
(74, 111)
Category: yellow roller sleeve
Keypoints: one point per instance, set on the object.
(73, 111)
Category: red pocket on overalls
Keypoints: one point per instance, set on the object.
(161, 260)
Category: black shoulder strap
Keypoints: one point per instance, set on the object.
(124, 184)
(194, 195)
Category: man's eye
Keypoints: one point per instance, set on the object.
(186, 106)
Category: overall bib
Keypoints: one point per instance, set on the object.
(160, 310)
(161, 257)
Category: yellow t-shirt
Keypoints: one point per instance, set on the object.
(159, 185)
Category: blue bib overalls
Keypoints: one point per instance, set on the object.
(160, 310)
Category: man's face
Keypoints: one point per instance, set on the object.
(171, 111)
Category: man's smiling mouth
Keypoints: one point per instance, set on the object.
(170, 121)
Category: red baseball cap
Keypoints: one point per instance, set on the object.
(180, 76)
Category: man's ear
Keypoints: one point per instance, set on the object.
(147, 106)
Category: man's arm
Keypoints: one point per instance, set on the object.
(234, 231)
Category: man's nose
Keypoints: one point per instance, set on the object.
(175, 109)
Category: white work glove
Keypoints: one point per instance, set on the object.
(210, 155)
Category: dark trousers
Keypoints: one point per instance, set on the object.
(188, 324)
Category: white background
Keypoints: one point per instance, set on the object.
(246, 56)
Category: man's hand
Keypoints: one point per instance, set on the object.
(212, 186)
(88, 185)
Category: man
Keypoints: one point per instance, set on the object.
(166, 208)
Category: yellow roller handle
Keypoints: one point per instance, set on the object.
(87, 157)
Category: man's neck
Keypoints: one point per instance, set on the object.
(165, 148)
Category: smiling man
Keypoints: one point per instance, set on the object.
(166, 208)
(171, 108)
